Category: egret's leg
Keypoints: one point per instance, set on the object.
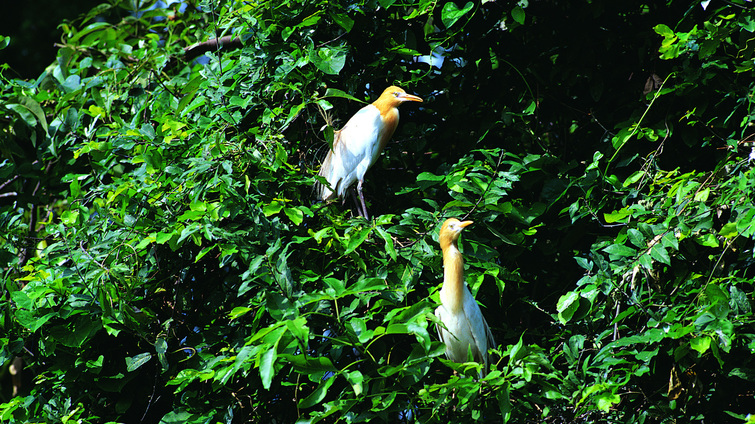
(363, 212)
(357, 206)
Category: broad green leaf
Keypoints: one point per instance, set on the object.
(134, 362)
(518, 14)
(619, 250)
(267, 367)
(708, 240)
(669, 240)
(77, 332)
(355, 378)
(663, 30)
(22, 300)
(334, 92)
(636, 238)
(746, 223)
(566, 306)
(307, 364)
(451, 13)
(700, 344)
(389, 246)
(294, 214)
(272, 208)
(729, 230)
(329, 60)
(702, 195)
(660, 254)
(356, 238)
(427, 179)
(636, 176)
(178, 416)
(318, 394)
(32, 321)
(239, 311)
(24, 113)
(739, 300)
(605, 401)
(344, 20)
(617, 216)
(298, 328)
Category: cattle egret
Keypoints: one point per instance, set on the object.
(464, 327)
(358, 144)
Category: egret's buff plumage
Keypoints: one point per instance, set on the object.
(463, 323)
(358, 144)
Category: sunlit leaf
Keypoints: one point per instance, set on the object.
(451, 13)
(132, 363)
(329, 60)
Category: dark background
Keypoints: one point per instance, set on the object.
(33, 28)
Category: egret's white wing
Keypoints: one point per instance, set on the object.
(456, 334)
(483, 338)
(355, 147)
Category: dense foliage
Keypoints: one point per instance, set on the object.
(163, 259)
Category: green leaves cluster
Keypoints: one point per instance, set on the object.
(163, 260)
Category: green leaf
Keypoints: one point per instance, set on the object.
(318, 394)
(179, 416)
(566, 306)
(344, 20)
(451, 13)
(605, 401)
(707, 239)
(702, 195)
(309, 365)
(329, 60)
(32, 321)
(334, 92)
(267, 367)
(660, 254)
(389, 246)
(636, 176)
(298, 328)
(518, 14)
(746, 222)
(355, 378)
(617, 216)
(23, 113)
(272, 208)
(295, 215)
(729, 230)
(427, 179)
(134, 362)
(663, 30)
(700, 344)
(619, 250)
(636, 238)
(239, 311)
(356, 238)
(669, 240)
(584, 263)
(77, 332)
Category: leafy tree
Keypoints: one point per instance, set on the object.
(164, 261)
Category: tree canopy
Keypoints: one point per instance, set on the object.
(164, 259)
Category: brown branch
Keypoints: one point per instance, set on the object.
(198, 49)
(195, 50)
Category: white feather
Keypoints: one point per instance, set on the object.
(350, 161)
(464, 328)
